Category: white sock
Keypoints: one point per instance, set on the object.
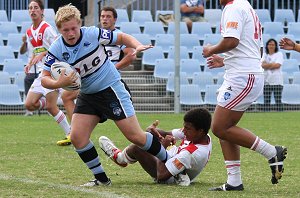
(42, 102)
(123, 157)
(233, 168)
(62, 121)
(264, 148)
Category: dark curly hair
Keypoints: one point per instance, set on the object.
(200, 118)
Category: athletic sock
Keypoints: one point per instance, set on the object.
(90, 157)
(62, 121)
(42, 102)
(154, 147)
(233, 168)
(264, 148)
(122, 157)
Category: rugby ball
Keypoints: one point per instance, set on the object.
(56, 69)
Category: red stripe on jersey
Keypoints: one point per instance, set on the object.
(230, 2)
(232, 165)
(191, 148)
(243, 94)
(39, 41)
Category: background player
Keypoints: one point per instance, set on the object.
(39, 37)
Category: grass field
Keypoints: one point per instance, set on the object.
(31, 165)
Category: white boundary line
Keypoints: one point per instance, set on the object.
(104, 194)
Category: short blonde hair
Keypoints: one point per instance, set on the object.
(67, 13)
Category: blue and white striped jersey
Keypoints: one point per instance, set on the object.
(88, 57)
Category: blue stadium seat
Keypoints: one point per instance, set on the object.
(294, 55)
(290, 94)
(1, 40)
(6, 28)
(18, 16)
(189, 66)
(130, 28)
(164, 41)
(24, 26)
(202, 79)
(289, 66)
(294, 29)
(143, 38)
(171, 83)
(210, 96)
(265, 38)
(4, 78)
(200, 29)
(23, 57)
(284, 16)
(214, 71)
(183, 28)
(49, 14)
(273, 28)
(296, 77)
(213, 16)
(122, 16)
(286, 78)
(141, 16)
(263, 15)
(184, 54)
(190, 95)
(9, 95)
(212, 39)
(15, 41)
(153, 28)
(150, 55)
(19, 80)
(163, 67)
(6, 52)
(197, 54)
(189, 41)
(3, 16)
(220, 77)
(12, 66)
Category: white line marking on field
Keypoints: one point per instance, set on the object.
(62, 186)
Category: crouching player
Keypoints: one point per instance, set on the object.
(187, 160)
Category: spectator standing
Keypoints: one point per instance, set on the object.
(271, 63)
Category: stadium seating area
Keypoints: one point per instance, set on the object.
(11, 62)
(148, 29)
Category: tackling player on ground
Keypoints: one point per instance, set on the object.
(187, 160)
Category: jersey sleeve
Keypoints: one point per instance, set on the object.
(232, 22)
(179, 162)
(49, 36)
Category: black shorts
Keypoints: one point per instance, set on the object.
(111, 103)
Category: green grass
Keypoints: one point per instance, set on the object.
(31, 165)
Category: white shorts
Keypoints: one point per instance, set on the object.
(37, 87)
(239, 91)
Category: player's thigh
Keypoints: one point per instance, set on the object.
(82, 126)
(32, 98)
(69, 95)
(132, 130)
(224, 118)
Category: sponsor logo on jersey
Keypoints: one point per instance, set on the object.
(85, 44)
(227, 95)
(177, 164)
(49, 59)
(105, 34)
(66, 56)
(232, 24)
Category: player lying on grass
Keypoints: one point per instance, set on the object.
(186, 161)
